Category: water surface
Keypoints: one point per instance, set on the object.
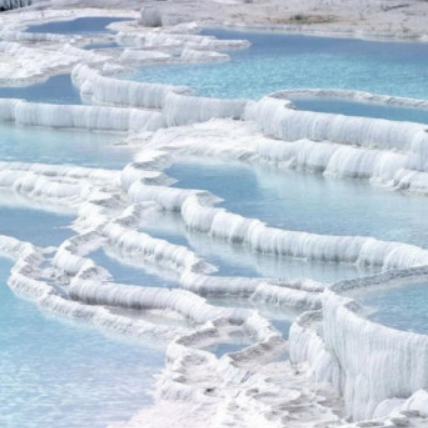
(62, 147)
(80, 26)
(362, 109)
(59, 375)
(283, 61)
(308, 202)
(404, 308)
(56, 374)
(133, 272)
(236, 260)
(55, 90)
(100, 45)
(41, 228)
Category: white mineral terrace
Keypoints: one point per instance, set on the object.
(343, 370)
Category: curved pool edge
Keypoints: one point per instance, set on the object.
(369, 363)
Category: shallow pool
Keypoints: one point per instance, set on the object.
(309, 202)
(280, 317)
(73, 147)
(127, 272)
(56, 374)
(281, 61)
(55, 90)
(234, 260)
(404, 308)
(41, 228)
(222, 349)
(363, 109)
(106, 45)
(79, 26)
(60, 375)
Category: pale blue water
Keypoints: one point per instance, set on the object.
(404, 308)
(41, 228)
(177, 234)
(45, 145)
(234, 260)
(364, 109)
(230, 261)
(279, 61)
(55, 374)
(309, 202)
(127, 273)
(80, 26)
(107, 45)
(226, 348)
(56, 90)
(58, 375)
(283, 326)
(281, 318)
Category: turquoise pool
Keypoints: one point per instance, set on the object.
(282, 61)
(64, 147)
(308, 202)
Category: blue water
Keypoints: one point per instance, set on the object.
(226, 348)
(234, 260)
(81, 26)
(61, 375)
(56, 90)
(53, 374)
(404, 308)
(45, 145)
(176, 233)
(282, 326)
(308, 202)
(42, 228)
(363, 109)
(108, 45)
(127, 273)
(57, 375)
(279, 61)
(281, 318)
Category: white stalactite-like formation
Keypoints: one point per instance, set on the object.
(14, 4)
(358, 356)
(79, 117)
(178, 107)
(185, 110)
(278, 121)
(110, 91)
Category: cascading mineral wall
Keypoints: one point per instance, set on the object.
(14, 4)
(373, 366)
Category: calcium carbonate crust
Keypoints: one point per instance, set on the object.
(379, 370)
